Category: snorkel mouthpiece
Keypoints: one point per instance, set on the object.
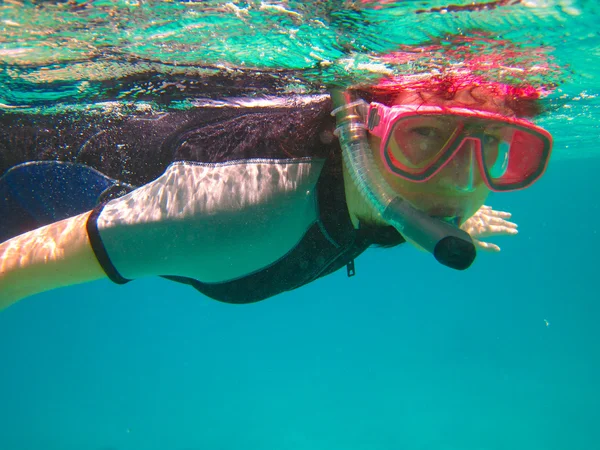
(450, 245)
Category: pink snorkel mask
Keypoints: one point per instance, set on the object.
(417, 142)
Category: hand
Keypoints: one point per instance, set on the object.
(485, 223)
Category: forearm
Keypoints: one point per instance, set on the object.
(47, 258)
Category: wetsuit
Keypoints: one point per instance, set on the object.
(242, 200)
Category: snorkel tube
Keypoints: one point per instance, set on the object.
(450, 245)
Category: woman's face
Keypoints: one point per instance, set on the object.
(458, 190)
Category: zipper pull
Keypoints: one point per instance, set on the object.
(350, 270)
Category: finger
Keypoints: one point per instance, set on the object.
(502, 222)
(486, 246)
(502, 214)
(495, 230)
(488, 210)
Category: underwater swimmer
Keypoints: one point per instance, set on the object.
(246, 199)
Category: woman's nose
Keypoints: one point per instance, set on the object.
(462, 172)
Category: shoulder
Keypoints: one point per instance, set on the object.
(135, 143)
(266, 127)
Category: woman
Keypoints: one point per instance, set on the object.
(252, 197)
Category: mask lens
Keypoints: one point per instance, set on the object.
(514, 158)
(415, 144)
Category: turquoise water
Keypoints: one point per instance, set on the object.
(406, 355)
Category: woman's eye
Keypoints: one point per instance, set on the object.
(491, 140)
(428, 132)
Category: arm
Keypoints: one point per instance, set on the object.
(53, 256)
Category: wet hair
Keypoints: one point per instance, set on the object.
(522, 100)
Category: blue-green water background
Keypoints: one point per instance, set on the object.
(406, 355)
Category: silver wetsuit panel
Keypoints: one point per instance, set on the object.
(212, 222)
